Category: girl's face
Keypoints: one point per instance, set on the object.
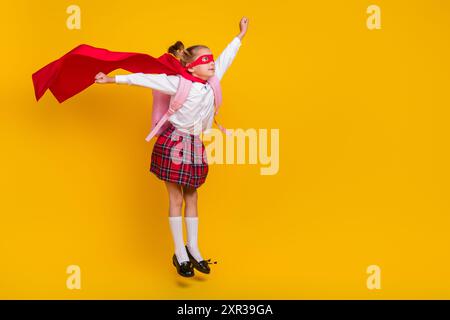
(206, 70)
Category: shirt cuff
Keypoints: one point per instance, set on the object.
(121, 78)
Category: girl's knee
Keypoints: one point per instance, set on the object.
(176, 200)
(189, 194)
(175, 195)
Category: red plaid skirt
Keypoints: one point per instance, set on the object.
(179, 157)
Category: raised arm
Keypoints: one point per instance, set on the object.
(161, 82)
(229, 53)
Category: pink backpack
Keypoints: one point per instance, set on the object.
(165, 105)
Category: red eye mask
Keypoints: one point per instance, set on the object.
(204, 59)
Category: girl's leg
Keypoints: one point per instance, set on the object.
(175, 198)
(190, 199)
(191, 218)
(176, 226)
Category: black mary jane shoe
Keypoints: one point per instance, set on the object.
(202, 266)
(184, 268)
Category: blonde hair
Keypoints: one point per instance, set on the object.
(185, 55)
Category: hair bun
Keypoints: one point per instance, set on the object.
(174, 49)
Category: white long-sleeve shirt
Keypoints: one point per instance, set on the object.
(199, 105)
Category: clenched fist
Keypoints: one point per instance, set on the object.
(103, 78)
(243, 24)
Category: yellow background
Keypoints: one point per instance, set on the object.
(363, 178)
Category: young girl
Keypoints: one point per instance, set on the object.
(183, 179)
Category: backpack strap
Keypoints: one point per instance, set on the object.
(215, 84)
(184, 86)
(176, 102)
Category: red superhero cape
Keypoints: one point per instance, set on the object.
(76, 70)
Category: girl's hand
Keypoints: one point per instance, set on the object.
(243, 25)
(103, 78)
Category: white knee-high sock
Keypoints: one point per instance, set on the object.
(192, 235)
(176, 227)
